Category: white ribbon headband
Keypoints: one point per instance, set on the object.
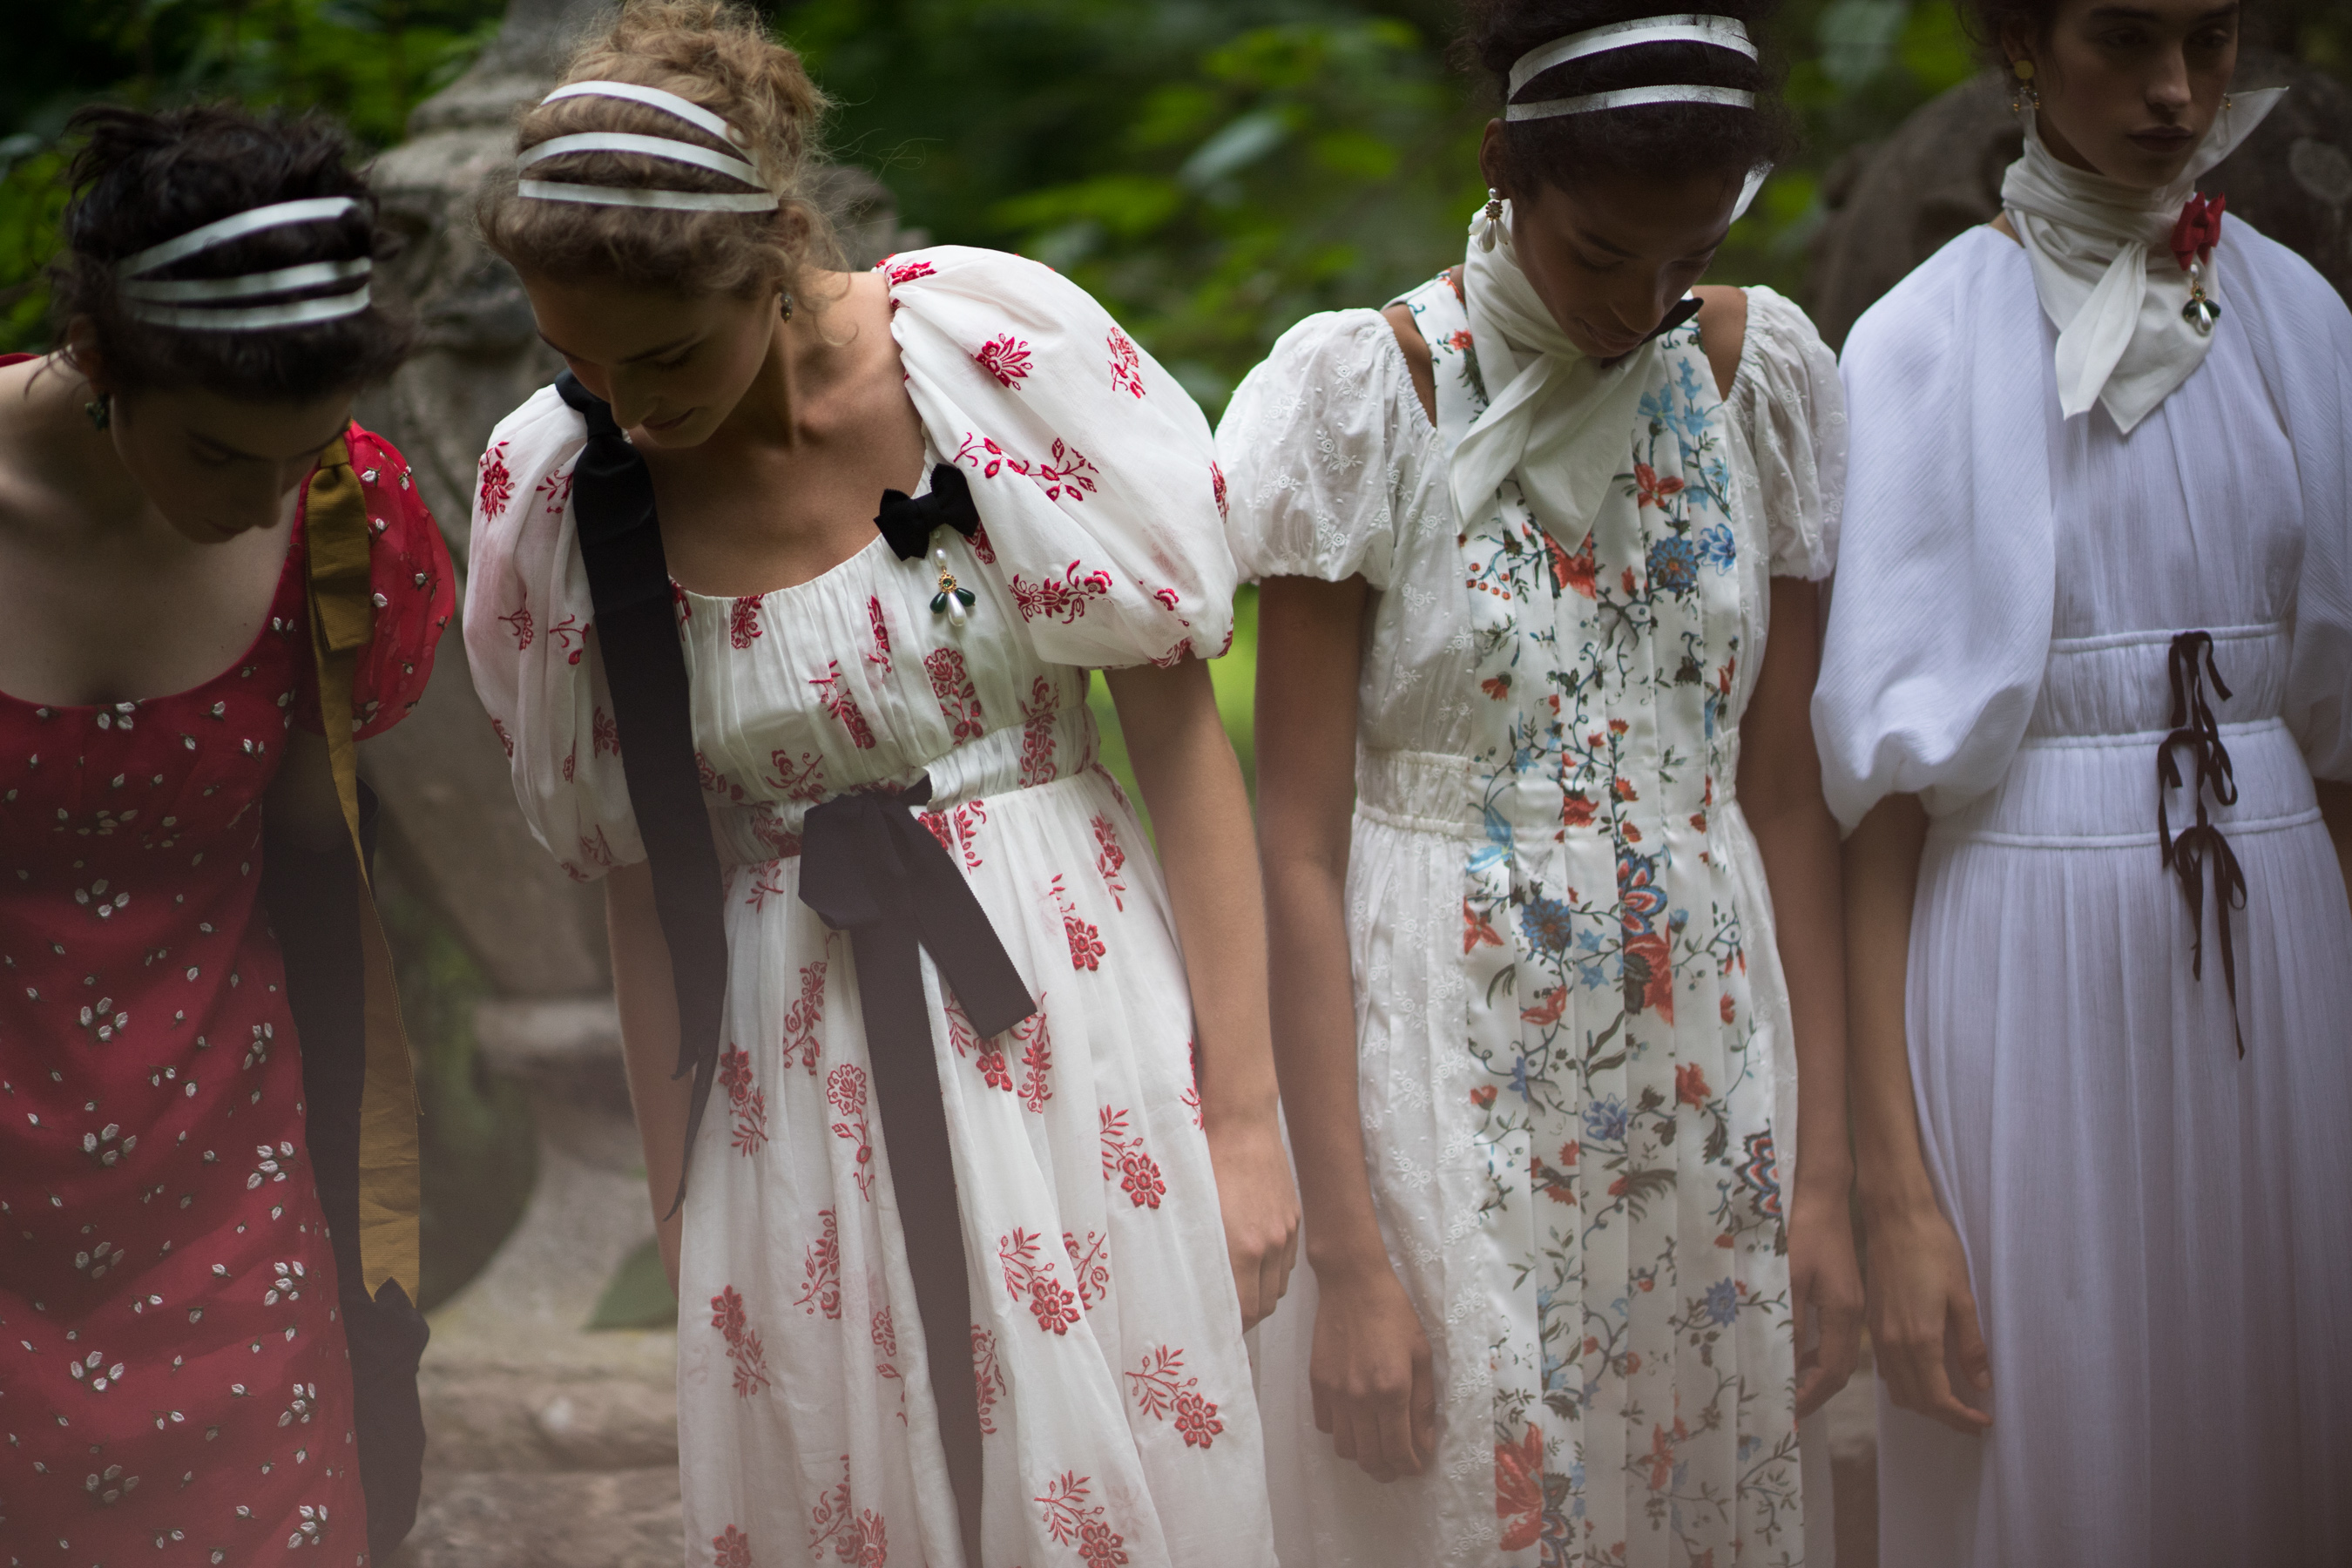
(155, 302)
(1715, 32)
(651, 147)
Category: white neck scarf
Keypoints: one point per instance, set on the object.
(2104, 269)
(1554, 415)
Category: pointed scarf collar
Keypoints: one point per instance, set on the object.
(1556, 417)
(2105, 271)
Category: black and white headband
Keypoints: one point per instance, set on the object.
(758, 200)
(194, 302)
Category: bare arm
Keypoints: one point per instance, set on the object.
(1780, 790)
(1922, 1316)
(1201, 811)
(302, 809)
(1370, 1369)
(649, 1029)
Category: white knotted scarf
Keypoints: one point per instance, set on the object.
(1556, 417)
(2104, 269)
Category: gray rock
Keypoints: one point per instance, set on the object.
(616, 1518)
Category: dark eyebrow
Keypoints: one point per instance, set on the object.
(2138, 14)
(655, 352)
(226, 450)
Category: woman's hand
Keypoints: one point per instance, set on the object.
(1260, 1206)
(1370, 1371)
(1825, 1292)
(1922, 1316)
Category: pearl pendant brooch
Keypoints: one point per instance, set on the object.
(2200, 312)
(951, 600)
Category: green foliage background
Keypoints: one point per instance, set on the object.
(1212, 169)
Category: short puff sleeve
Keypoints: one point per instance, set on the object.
(1788, 412)
(414, 587)
(1094, 471)
(1307, 445)
(527, 617)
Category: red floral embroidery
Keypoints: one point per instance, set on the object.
(1068, 1519)
(713, 781)
(521, 623)
(904, 271)
(1192, 1096)
(805, 1017)
(605, 734)
(1110, 860)
(571, 636)
(743, 621)
(1049, 1301)
(833, 691)
(980, 546)
(1089, 1266)
(1037, 735)
(1086, 941)
(855, 1536)
(986, 1055)
(727, 1315)
(1036, 1058)
(1579, 572)
(1158, 1393)
(886, 1340)
(1006, 358)
(822, 1269)
(570, 762)
(1062, 598)
(1068, 474)
(749, 1103)
(1217, 489)
(594, 848)
(959, 699)
(498, 727)
(1126, 374)
(1690, 1084)
(555, 492)
(881, 654)
(733, 1549)
(988, 1378)
(845, 1090)
(803, 779)
(498, 485)
(1518, 1489)
(1123, 1157)
(1651, 490)
(766, 883)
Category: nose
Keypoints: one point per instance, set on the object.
(2168, 91)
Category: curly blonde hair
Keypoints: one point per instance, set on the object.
(715, 53)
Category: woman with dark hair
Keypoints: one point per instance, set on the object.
(2091, 648)
(181, 490)
(1553, 889)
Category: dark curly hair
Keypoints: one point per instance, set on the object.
(140, 179)
(1664, 139)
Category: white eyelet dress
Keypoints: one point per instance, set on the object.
(1118, 1427)
(1575, 1067)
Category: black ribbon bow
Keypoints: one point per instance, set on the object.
(869, 867)
(907, 520)
(2195, 731)
(645, 669)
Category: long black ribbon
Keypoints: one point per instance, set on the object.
(645, 669)
(870, 868)
(907, 520)
(2194, 729)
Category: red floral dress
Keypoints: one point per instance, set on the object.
(174, 1385)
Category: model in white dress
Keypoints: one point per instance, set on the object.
(1114, 1396)
(1575, 1063)
(2154, 1227)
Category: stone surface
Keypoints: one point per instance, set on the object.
(613, 1519)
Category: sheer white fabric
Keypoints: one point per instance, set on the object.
(1115, 1393)
(2154, 1228)
(1336, 471)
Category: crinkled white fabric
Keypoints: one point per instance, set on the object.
(2105, 273)
(2154, 1228)
(1336, 471)
(1115, 1392)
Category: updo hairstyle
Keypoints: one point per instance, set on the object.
(1985, 21)
(713, 53)
(141, 179)
(1649, 140)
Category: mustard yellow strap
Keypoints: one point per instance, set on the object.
(342, 618)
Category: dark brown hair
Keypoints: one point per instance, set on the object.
(140, 179)
(1648, 140)
(712, 53)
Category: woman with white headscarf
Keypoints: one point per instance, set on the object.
(2092, 646)
(1533, 788)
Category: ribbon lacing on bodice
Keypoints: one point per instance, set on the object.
(2194, 729)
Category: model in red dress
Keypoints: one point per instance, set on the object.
(173, 1382)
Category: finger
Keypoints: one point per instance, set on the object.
(1342, 1428)
(1396, 1436)
(1322, 1407)
(1967, 1344)
(1938, 1401)
(1370, 1451)
(1245, 1273)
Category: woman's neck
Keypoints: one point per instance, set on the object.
(51, 439)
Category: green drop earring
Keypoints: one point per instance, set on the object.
(101, 410)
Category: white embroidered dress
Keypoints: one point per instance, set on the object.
(1115, 1393)
(1574, 1046)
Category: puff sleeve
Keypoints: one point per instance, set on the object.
(1306, 446)
(1788, 419)
(414, 587)
(1093, 470)
(529, 638)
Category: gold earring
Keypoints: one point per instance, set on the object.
(784, 304)
(2024, 96)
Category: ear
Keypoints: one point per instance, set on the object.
(1493, 164)
(2017, 43)
(81, 351)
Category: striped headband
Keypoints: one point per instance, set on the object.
(676, 152)
(1715, 32)
(192, 303)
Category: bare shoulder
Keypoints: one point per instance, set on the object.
(1418, 361)
(1722, 331)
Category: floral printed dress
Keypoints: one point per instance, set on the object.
(174, 1385)
(1575, 1064)
(1116, 1410)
